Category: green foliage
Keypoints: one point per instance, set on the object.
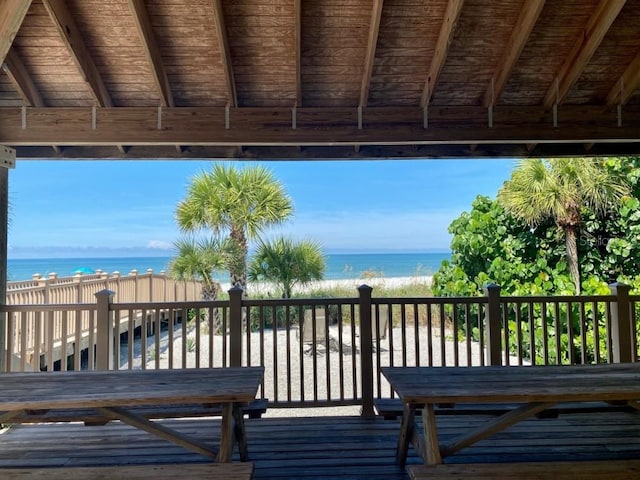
(287, 263)
(491, 245)
(199, 260)
(238, 202)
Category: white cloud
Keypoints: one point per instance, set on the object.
(159, 245)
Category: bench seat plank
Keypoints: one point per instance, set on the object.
(391, 408)
(196, 471)
(91, 416)
(587, 470)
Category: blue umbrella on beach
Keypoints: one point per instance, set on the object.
(83, 270)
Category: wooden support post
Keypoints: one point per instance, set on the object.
(622, 340)
(104, 334)
(366, 351)
(7, 160)
(493, 324)
(235, 326)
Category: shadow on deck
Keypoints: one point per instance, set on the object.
(345, 447)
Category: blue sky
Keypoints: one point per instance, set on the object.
(126, 208)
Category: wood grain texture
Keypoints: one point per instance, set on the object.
(237, 471)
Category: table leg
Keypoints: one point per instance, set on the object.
(226, 434)
(431, 443)
(406, 431)
(239, 432)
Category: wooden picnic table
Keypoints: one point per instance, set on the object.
(534, 389)
(113, 393)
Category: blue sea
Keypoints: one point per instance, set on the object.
(338, 266)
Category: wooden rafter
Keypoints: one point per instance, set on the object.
(77, 48)
(519, 35)
(627, 84)
(372, 42)
(12, 13)
(297, 7)
(21, 80)
(66, 25)
(23, 83)
(225, 52)
(454, 7)
(594, 32)
(151, 51)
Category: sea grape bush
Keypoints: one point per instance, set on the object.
(491, 246)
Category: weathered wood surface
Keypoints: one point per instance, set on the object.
(254, 409)
(327, 447)
(612, 470)
(391, 408)
(125, 388)
(580, 383)
(535, 388)
(209, 471)
(112, 393)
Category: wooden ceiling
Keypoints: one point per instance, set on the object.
(280, 79)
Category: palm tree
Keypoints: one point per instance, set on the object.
(199, 260)
(287, 263)
(240, 202)
(558, 189)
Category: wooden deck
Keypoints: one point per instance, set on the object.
(326, 447)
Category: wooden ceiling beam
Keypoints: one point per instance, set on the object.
(225, 51)
(454, 7)
(297, 8)
(72, 37)
(627, 84)
(519, 35)
(151, 51)
(12, 13)
(21, 80)
(584, 48)
(23, 83)
(77, 48)
(370, 56)
(316, 126)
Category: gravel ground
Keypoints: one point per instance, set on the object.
(291, 376)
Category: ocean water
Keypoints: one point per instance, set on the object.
(338, 266)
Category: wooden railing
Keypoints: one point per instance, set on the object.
(341, 363)
(134, 287)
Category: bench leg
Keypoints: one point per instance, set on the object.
(239, 432)
(226, 434)
(406, 431)
(431, 443)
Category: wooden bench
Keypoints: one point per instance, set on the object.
(92, 417)
(391, 408)
(613, 469)
(222, 471)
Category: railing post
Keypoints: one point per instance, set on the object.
(622, 341)
(493, 324)
(235, 326)
(366, 350)
(104, 334)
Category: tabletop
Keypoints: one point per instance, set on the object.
(515, 384)
(81, 389)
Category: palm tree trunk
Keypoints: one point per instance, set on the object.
(570, 236)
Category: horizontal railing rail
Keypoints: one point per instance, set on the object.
(328, 351)
(134, 287)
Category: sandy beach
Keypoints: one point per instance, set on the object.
(384, 282)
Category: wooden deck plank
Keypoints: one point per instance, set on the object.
(612, 470)
(208, 471)
(325, 447)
